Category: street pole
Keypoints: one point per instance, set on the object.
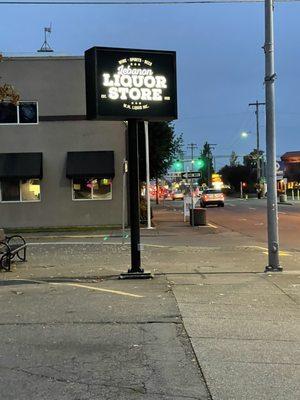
(273, 236)
(125, 170)
(258, 164)
(134, 204)
(147, 175)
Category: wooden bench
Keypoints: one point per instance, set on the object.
(11, 246)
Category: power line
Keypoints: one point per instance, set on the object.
(136, 3)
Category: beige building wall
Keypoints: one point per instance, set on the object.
(58, 86)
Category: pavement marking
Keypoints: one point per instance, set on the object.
(212, 226)
(281, 253)
(98, 289)
(242, 219)
(100, 236)
(252, 208)
(155, 245)
(265, 250)
(91, 243)
(63, 243)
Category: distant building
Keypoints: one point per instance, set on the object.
(291, 161)
(63, 170)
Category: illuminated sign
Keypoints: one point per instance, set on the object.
(125, 83)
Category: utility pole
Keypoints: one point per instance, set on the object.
(192, 147)
(258, 164)
(210, 146)
(273, 236)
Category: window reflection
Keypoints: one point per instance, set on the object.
(92, 189)
(24, 190)
(102, 189)
(30, 190)
(82, 189)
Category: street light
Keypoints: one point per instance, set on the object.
(258, 158)
(244, 134)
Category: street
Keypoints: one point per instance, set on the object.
(249, 217)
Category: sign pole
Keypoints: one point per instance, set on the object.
(273, 236)
(134, 203)
(131, 85)
(125, 168)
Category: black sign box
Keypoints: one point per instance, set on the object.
(122, 84)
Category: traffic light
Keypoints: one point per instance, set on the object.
(244, 184)
(199, 163)
(178, 165)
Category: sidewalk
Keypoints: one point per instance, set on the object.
(243, 324)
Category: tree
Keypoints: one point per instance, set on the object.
(164, 146)
(7, 92)
(234, 175)
(208, 169)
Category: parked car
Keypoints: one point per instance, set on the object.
(177, 195)
(212, 197)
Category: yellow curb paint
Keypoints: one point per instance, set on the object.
(281, 253)
(265, 250)
(212, 226)
(97, 289)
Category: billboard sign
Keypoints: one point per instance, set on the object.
(280, 168)
(122, 84)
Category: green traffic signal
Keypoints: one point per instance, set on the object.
(199, 163)
(178, 166)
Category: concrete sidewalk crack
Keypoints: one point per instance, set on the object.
(280, 289)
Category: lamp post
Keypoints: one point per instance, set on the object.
(257, 104)
(245, 134)
(273, 235)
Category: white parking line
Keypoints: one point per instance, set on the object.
(90, 243)
(66, 243)
(213, 226)
(96, 288)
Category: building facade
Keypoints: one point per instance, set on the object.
(64, 170)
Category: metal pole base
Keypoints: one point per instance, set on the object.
(136, 275)
(272, 269)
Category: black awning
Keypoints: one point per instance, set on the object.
(21, 166)
(90, 164)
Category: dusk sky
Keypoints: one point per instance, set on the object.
(219, 58)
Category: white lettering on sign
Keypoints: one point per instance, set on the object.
(134, 81)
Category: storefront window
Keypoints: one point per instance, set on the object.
(92, 189)
(25, 190)
(10, 190)
(30, 190)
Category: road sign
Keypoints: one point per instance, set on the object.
(191, 175)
